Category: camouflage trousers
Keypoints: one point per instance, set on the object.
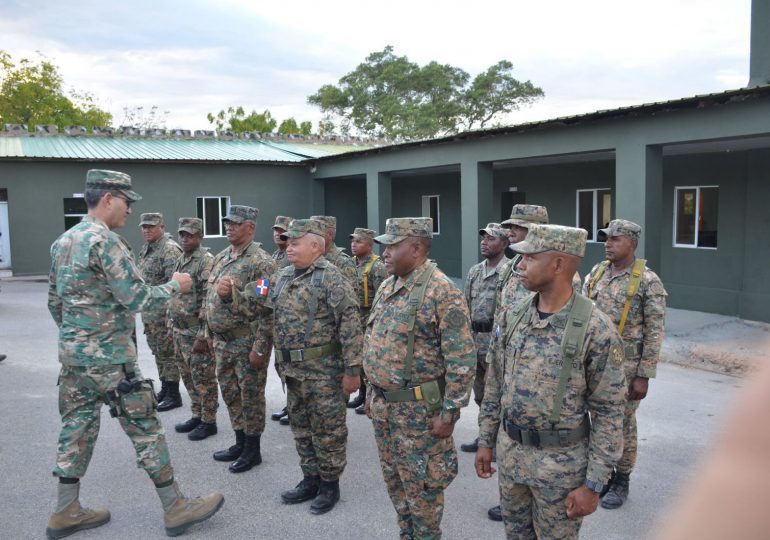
(317, 415)
(198, 371)
(628, 459)
(480, 381)
(163, 349)
(417, 467)
(242, 386)
(81, 396)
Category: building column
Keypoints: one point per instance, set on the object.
(379, 200)
(317, 197)
(476, 208)
(639, 195)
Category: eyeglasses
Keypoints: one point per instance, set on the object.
(232, 224)
(125, 199)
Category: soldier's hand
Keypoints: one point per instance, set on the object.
(225, 287)
(484, 468)
(638, 388)
(440, 429)
(581, 502)
(200, 346)
(184, 280)
(257, 361)
(350, 383)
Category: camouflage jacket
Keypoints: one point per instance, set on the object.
(185, 307)
(336, 320)
(443, 345)
(376, 276)
(522, 383)
(646, 317)
(281, 259)
(156, 261)
(94, 292)
(249, 265)
(343, 262)
(481, 297)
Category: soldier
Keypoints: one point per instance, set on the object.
(241, 379)
(156, 261)
(317, 334)
(419, 359)
(333, 254)
(635, 299)
(186, 316)
(370, 273)
(480, 295)
(95, 290)
(555, 359)
(279, 256)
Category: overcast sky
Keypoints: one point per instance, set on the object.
(192, 57)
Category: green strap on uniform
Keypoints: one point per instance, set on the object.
(317, 279)
(633, 285)
(416, 298)
(367, 270)
(595, 278)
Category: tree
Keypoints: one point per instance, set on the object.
(288, 127)
(235, 119)
(32, 93)
(389, 96)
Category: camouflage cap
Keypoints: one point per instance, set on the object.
(104, 179)
(190, 225)
(329, 222)
(620, 227)
(282, 223)
(151, 218)
(525, 214)
(398, 229)
(540, 238)
(362, 234)
(239, 214)
(300, 227)
(494, 229)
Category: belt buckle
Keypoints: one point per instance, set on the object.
(418, 393)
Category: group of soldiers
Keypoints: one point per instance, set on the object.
(557, 377)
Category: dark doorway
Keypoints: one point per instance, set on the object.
(508, 199)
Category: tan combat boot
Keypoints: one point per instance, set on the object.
(70, 517)
(182, 512)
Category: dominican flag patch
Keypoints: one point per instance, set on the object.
(261, 287)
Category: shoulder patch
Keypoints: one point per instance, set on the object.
(616, 355)
(456, 319)
(336, 295)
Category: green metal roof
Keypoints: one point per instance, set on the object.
(149, 149)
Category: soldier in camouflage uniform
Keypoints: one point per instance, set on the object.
(370, 273)
(242, 378)
(642, 333)
(317, 334)
(416, 392)
(553, 460)
(185, 314)
(95, 290)
(156, 261)
(279, 256)
(480, 295)
(335, 255)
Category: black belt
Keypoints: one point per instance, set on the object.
(481, 326)
(547, 438)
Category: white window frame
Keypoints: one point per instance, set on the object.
(81, 216)
(426, 212)
(595, 208)
(694, 245)
(203, 216)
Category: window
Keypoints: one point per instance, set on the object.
(430, 209)
(593, 208)
(74, 210)
(211, 210)
(696, 213)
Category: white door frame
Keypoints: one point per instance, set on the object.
(5, 239)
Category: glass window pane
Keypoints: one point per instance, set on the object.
(199, 204)
(434, 213)
(3, 195)
(213, 223)
(71, 221)
(604, 200)
(708, 216)
(586, 212)
(75, 205)
(685, 216)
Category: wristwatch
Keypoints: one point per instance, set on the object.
(596, 487)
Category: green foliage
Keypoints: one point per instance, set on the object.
(389, 96)
(32, 93)
(306, 128)
(288, 127)
(235, 119)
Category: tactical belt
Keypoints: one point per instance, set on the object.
(413, 393)
(186, 322)
(481, 326)
(311, 353)
(632, 349)
(548, 438)
(235, 333)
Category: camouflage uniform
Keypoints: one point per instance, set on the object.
(95, 290)
(374, 278)
(232, 331)
(335, 255)
(280, 258)
(156, 261)
(417, 466)
(481, 297)
(522, 383)
(198, 370)
(643, 331)
(279, 255)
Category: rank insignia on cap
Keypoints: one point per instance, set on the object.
(262, 287)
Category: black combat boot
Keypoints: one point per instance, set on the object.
(203, 431)
(250, 457)
(618, 492)
(328, 495)
(188, 425)
(173, 398)
(163, 391)
(284, 421)
(495, 513)
(234, 452)
(361, 409)
(471, 446)
(280, 414)
(359, 400)
(307, 489)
